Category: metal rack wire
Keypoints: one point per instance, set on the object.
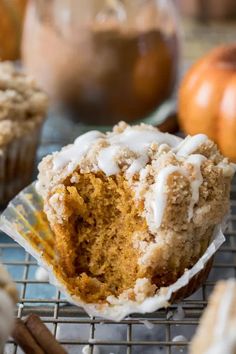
(166, 331)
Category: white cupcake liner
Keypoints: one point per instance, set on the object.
(24, 222)
(17, 163)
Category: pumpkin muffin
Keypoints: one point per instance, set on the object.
(132, 209)
(217, 330)
(7, 284)
(22, 111)
(8, 297)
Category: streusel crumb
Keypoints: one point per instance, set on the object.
(132, 209)
(22, 104)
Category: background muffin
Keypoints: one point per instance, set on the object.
(217, 329)
(22, 111)
(8, 297)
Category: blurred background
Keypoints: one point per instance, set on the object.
(102, 61)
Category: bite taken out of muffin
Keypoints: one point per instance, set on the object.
(132, 209)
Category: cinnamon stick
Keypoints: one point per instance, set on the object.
(43, 336)
(24, 339)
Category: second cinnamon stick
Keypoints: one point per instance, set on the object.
(43, 336)
(24, 339)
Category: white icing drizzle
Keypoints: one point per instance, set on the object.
(137, 140)
(159, 203)
(190, 144)
(106, 160)
(160, 200)
(137, 165)
(72, 154)
(225, 339)
(196, 161)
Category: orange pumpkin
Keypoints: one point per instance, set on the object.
(11, 15)
(207, 99)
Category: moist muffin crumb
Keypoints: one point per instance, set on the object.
(132, 209)
(22, 103)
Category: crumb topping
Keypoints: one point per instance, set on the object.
(22, 104)
(163, 170)
(179, 189)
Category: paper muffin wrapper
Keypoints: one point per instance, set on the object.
(17, 163)
(25, 222)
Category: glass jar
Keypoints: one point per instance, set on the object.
(103, 60)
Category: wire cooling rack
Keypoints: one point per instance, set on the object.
(163, 332)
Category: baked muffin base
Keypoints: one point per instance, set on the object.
(105, 247)
(25, 222)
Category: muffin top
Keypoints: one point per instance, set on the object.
(22, 104)
(137, 199)
(147, 157)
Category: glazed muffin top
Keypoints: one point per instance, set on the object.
(147, 157)
(175, 190)
(22, 104)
